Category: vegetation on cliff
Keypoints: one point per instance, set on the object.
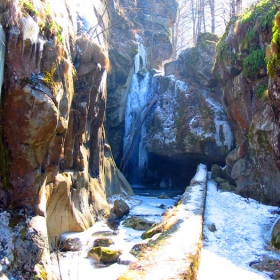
(273, 52)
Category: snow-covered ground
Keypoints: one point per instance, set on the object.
(242, 232)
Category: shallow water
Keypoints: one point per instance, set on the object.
(76, 265)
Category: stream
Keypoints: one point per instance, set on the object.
(236, 234)
(75, 264)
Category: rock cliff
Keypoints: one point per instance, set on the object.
(56, 168)
(241, 69)
(188, 123)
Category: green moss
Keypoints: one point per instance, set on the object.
(29, 8)
(48, 23)
(264, 10)
(251, 34)
(261, 91)
(253, 63)
(48, 77)
(276, 241)
(273, 59)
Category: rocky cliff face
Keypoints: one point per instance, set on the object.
(241, 69)
(56, 168)
(137, 23)
(188, 123)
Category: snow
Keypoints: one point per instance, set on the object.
(223, 127)
(75, 265)
(200, 176)
(243, 228)
(30, 29)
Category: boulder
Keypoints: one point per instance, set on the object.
(137, 249)
(103, 242)
(138, 223)
(275, 240)
(71, 244)
(104, 254)
(120, 208)
(216, 171)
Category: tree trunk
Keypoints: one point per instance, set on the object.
(212, 11)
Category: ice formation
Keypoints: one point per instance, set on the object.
(140, 58)
(224, 134)
(137, 103)
(137, 99)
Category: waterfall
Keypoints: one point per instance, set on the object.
(135, 156)
(135, 126)
(2, 56)
(140, 58)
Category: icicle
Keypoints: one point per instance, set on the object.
(30, 29)
(2, 56)
(140, 56)
(223, 127)
(136, 63)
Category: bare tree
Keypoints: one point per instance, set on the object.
(195, 16)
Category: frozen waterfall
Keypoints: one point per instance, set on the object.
(135, 126)
(140, 58)
(2, 56)
(134, 153)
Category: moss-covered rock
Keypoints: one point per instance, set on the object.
(138, 223)
(276, 234)
(104, 254)
(103, 242)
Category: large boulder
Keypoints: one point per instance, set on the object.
(121, 208)
(188, 123)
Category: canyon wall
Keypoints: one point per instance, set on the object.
(241, 69)
(57, 170)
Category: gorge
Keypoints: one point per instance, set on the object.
(92, 105)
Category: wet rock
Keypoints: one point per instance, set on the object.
(120, 208)
(71, 244)
(103, 242)
(219, 180)
(216, 171)
(137, 249)
(276, 234)
(104, 254)
(212, 227)
(138, 223)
